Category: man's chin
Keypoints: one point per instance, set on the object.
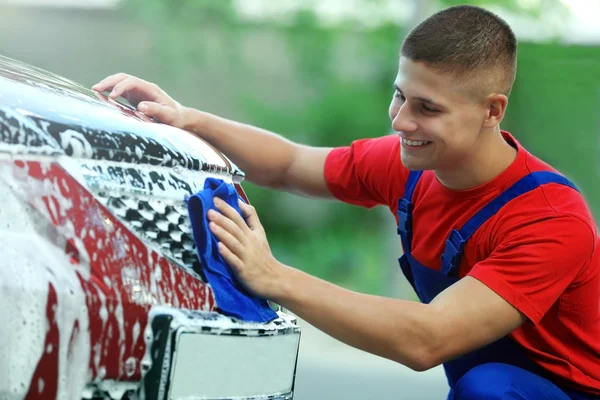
(416, 165)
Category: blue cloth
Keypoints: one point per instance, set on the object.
(232, 298)
(500, 370)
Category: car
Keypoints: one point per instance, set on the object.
(103, 295)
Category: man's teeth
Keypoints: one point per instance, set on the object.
(414, 142)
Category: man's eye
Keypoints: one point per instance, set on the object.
(399, 95)
(428, 109)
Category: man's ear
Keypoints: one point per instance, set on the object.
(496, 108)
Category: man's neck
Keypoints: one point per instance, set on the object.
(493, 156)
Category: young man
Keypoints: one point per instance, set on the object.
(501, 249)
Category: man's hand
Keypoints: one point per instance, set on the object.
(146, 96)
(243, 244)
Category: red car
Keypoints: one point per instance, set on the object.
(101, 289)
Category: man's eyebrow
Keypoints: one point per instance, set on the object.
(422, 99)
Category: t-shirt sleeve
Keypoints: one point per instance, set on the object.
(535, 263)
(367, 173)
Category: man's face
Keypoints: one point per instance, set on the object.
(438, 120)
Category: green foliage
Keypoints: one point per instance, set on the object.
(532, 8)
(180, 26)
(189, 13)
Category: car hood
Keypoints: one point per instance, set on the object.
(63, 116)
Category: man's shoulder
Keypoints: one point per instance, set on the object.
(550, 206)
(545, 211)
(555, 197)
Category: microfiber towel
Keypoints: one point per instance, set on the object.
(232, 299)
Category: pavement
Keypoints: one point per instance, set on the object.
(329, 369)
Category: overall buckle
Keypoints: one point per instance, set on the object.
(405, 208)
(453, 252)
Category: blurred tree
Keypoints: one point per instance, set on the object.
(532, 8)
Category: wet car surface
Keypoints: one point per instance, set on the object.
(99, 265)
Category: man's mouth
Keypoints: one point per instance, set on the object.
(414, 143)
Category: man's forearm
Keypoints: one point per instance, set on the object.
(262, 155)
(395, 329)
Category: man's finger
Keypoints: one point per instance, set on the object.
(226, 237)
(227, 224)
(109, 82)
(231, 213)
(250, 215)
(231, 259)
(122, 87)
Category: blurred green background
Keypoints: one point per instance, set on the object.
(320, 81)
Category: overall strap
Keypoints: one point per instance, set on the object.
(456, 242)
(405, 208)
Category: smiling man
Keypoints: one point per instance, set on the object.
(501, 249)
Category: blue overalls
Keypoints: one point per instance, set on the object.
(499, 370)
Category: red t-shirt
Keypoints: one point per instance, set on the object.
(539, 252)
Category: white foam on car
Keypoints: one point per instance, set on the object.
(33, 258)
(30, 263)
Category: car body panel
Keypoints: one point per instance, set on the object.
(94, 233)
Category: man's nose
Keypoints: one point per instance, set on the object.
(404, 121)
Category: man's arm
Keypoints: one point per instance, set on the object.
(266, 158)
(521, 280)
(464, 317)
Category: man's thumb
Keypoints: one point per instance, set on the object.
(249, 214)
(154, 110)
